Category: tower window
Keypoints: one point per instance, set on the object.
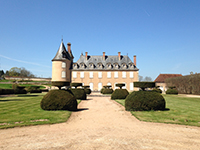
(63, 65)
(63, 74)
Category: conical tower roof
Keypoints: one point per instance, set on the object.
(62, 54)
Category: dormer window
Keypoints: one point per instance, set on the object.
(109, 65)
(82, 65)
(131, 65)
(91, 65)
(116, 66)
(75, 66)
(124, 66)
(99, 65)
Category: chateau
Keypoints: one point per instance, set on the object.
(95, 71)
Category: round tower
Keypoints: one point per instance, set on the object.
(61, 66)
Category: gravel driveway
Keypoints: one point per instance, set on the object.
(102, 124)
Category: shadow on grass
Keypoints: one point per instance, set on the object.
(27, 95)
(11, 100)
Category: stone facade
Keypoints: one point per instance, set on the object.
(97, 71)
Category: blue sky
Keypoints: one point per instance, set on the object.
(163, 34)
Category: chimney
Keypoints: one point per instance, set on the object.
(69, 47)
(134, 58)
(86, 56)
(119, 55)
(104, 55)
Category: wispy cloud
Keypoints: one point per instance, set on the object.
(26, 62)
(146, 12)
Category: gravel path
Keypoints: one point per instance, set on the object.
(101, 125)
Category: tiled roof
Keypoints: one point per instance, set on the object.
(161, 78)
(100, 63)
(62, 54)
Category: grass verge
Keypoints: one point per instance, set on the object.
(182, 110)
(24, 110)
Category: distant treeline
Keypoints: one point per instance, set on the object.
(189, 84)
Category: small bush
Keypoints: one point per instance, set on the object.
(107, 91)
(102, 90)
(87, 91)
(79, 93)
(171, 91)
(60, 84)
(33, 89)
(6, 91)
(76, 84)
(144, 101)
(59, 100)
(119, 94)
(157, 90)
(19, 89)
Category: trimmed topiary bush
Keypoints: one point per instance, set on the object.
(144, 101)
(76, 85)
(59, 100)
(171, 91)
(119, 94)
(87, 89)
(33, 89)
(60, 84)
(102, 90)
(120, 85)
(107, 91)
(79, 93)
(157, 90)
(6, 91)
(19, 89)
(144, 85)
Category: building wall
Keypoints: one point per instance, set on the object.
(96, 82)
(162, 86)
(61, 72)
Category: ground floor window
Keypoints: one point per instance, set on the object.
(63, 74)
(91, 86)
(131, 86)
(99, 86)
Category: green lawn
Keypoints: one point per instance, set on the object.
(182, 110)
(24, 110)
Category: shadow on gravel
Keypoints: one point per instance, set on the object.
(80, 109)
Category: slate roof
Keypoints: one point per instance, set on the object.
(93, 62)
(62, 53)
(161, 78)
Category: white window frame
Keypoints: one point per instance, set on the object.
(131, 74)
(91, 74)
(131, 86)
(63, 74)
(109, 75)
(74, 74)
(63, 64)
(81, 74)
(123, 74)
(99, 75)
(100, 86)
(115, 74)
(91, 86)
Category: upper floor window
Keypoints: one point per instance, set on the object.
(82, 74)
(82, 65)
(75, 65)
(124, 66)
(63, 65)
(63, 74)
(74, 74)
(108, 74)
(109, 65)
(115, 65)
(91, 74)
(116, 74)
(100, 65)
(99, 74)
(91, 65)
(131, 74)
(123, 74)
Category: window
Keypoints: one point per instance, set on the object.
(131, 86)
(108, 74)
(99, 86)
(82, 74)
(91, 74)
(91, 86)
(131, 75)
(63, 74)
(123, 74)
(100, 74)
(63, 65)
(74, 74)
(115, 74)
